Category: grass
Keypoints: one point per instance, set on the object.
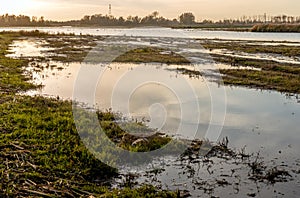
(151, 55)
(41, 152)
(69, 48)
(39, 142)
(283, 77)
(11, 78)
(126, 134)
(273, 75)
(253, 48)
(273, 80)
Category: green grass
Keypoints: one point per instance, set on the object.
(69, 48)
(253, 48)
(266, 79)
(283, 77)
(124, 135)
(11, 71)
(151, 55)
(39, 141)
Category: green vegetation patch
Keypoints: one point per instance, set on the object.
(249, 47)
(69, 48)
(265, 79)
(283, 77)
(40, 147)
(11, 70)
(131, 136)
(151, 55)
(273, 75)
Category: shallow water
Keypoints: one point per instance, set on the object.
(262, 121)
(27, 48)
(167, 32)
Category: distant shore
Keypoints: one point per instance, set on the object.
(280, 28)
(295, 28)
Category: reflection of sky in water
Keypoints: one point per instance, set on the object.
(26, 48)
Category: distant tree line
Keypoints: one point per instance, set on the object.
(258, 19)
(21, 20)
(153, 19)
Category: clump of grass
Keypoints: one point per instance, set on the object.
(144, 191)
(260, 172)
(249, 47)
(283, 77)
(132, 136)
(151, 55)
(68, 48)
(275, 80)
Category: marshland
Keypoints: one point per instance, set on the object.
(248, 83)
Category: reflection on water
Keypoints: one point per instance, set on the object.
(26, 48)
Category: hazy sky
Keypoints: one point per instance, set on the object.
(209, 9)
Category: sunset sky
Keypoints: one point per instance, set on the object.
(208, 9)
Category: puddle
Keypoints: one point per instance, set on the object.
(27, 48)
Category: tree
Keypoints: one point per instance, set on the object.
(155, 14)
(187, 18)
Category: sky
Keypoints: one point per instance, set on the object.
(63, 10)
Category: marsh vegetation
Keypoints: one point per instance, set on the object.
(276, 28)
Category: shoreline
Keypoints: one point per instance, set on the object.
(263, 28)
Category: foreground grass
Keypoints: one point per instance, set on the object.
(40, 147)
(41, 152)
